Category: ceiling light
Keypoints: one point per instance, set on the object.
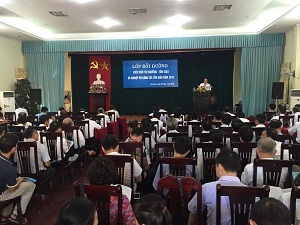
(107, 22)
(137, 10)
(178, 19)
(82, 1)
(58, 13)
(222, 7)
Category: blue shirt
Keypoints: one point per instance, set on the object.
(8, 173)
(209, 200)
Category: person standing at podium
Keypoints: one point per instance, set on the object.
(206, 85)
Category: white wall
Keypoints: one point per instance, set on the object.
(10, 58)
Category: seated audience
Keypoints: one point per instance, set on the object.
(59, 110)
(89, 133)
(12, 186)
(270, 211)
(44, 121)
(152, 209)
(68, 122)
(113, 109)
(67, 149)
(164, 115)
(182, 148)
(51, 117)
(156, 117)
(78, 211)
(226, 120)
(217, 116)
(172, 124)
(227, 166)
(295, 129)
(110, 146)
(131, 125)
(207, 125)
(272, 107)
(242, 117)
(296, 112)
(260, 120)
(20, 109)
(137, 136)
(146, 123)
(265, 150)
(227, 110)
(277, 125)
(282, 111)
(22, 120)
(102, 171)
(106, 117)
(44, 111)
(236, 124)
(43, 158)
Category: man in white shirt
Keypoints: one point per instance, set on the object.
(206, 85)
(106, 117)
(92, 124)
(265, 150)
(282, 111)
(67, 122)
(156, 117)
(110, 146)
(20, 109)
(296, 111)
(112, 109)
(172, 124)
(277, 125)
(293, 129)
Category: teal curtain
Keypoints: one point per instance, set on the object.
(46, 71)
(193, 67)
(260, 68)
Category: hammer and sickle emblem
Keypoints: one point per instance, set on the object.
(94, 65)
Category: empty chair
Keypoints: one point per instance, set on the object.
(240, 200)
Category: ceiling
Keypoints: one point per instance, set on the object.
(30, 19)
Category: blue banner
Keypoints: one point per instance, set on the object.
(150, 73)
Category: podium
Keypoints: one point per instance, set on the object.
(202, 102)
(97, 100)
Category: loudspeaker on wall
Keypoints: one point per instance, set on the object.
(277, 90)
(36, 96)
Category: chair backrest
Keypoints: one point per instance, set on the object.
(285, 138)
(270, 115)
(156, 125)
(226, 130)
(179, 202)
(10, 116)
(258, 131)
(217, 124)
(112, 116)
(287, 121)
(196, 126)
(240, 199)
(249, 124)
(172, 136)
(150, 130)
(294, 152)
(202, 137)
(69, 134)
(182, 128)
(124, 165)
(208, 149)
(19, 134)
(51, 142)
(165, 149)
(100, 119)
(135, 149)
(295, 194)
(27, 151)
(101, 196)
(13, 128)
(178, 166)
(244, 152)
(82, 124)
(272, 171)
(32, 118)
(234, 137)
(39, 128)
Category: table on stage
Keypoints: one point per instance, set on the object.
(202, 102)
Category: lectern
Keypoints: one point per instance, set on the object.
(97, 100)
(202, 102)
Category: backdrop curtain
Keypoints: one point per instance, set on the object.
(260, 66)
(193, 67)
(46, 71)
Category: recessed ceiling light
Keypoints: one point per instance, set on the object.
(58, 13)
(137, 10)
(222, 7)
(178, 19)
(107, 22)
(82, 1)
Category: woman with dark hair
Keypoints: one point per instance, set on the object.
(102, 171)
(79, 211)
(151, 209)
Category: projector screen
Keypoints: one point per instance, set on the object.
(150, 73)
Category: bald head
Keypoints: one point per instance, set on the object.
(67, 122)
(266, 145)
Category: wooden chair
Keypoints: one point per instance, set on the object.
(124, 165)
(82, 124)
(285, 138)
(208, 149)
(178, 201)
(100, 119)
(233, 137)
(178, 166)
(156, 125)
(249, 124)
(150, 130)
(32, 118)
(241, 200)
(295, 194)
(112, 116)
(217, 124)
(40, 128)
(272, 170)
(19, 134)
(258, 131)
(50, 140)
(71, 134)
(101, 196)
(10, 116)
(269, 115)
(164, 149)
(135, 149)
(287, 121)
(13, 128)
(196, 126)
(226, 130)
(293, 150)
(172, 136)
(28, 163)
(15, 202)
(182, 128)
(244, 151)
(202, 137)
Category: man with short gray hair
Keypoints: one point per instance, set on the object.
(265, 150)
(172, 124)
(106, 117)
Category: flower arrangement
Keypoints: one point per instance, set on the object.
(97, 88)
(202, 90)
